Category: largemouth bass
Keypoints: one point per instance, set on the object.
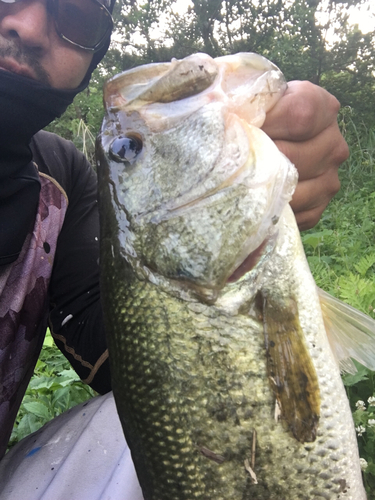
(224, 380)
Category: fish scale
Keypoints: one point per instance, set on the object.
(226, 388)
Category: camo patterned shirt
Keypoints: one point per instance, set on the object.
(55, 278)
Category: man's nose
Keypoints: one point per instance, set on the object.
(26, 22)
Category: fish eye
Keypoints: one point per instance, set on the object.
(125, 149)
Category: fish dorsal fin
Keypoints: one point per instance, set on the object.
(351, 333)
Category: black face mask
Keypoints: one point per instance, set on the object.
(26, 107)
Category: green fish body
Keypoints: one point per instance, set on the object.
(224, 380)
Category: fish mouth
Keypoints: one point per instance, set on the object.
(7, 64)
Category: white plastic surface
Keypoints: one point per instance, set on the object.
(80, 455)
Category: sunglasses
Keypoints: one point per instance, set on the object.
(84, 23)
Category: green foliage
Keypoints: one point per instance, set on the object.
(54, 388)
(292, 33)
(361, 391)
(308, 39)
(82, 120)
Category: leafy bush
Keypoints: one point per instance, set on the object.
(54, 388)
(361, 392)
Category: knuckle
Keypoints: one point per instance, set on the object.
(334, 104)
(302, 116)
(340, 152)
(335, 187)
(343, 151)
(308, 219)
(312, 108)
(330, 186)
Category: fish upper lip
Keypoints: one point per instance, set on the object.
(8, 64)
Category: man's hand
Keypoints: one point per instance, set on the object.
(304, 126)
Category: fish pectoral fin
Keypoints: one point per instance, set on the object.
(350, 332)
(291, 371)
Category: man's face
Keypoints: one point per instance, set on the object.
(29, 45)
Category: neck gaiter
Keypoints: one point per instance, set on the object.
(26, 107)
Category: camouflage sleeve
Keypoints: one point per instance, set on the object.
(76, 320)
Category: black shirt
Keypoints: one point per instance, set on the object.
(55, 280)
(74, 286)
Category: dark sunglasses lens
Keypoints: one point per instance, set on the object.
(83, 22)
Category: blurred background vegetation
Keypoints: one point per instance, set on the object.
(309, 40)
